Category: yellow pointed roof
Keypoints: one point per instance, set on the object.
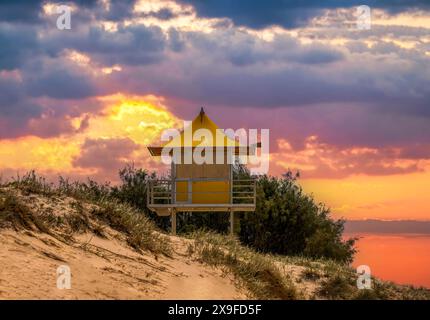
(202, 132)
(196, 135)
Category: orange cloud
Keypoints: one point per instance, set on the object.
(131, 122)
(321, 160)
(360, 183)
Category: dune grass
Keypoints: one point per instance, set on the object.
(257, 273)
(338, 281)
(141, 232)
(15, 214)
(89, 211)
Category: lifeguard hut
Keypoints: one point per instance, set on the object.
(196, 186)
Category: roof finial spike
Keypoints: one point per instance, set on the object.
(202, 112)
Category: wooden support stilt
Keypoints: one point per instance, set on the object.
(173, 220)
(231, 222)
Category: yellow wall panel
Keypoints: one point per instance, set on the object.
(195, 171)
(207, 192)
(181, 191)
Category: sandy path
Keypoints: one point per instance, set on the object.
(196, 281)
(103, 269)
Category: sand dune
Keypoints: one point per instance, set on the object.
(103, 269)
(114, 252)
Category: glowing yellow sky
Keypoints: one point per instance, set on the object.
(375, 197)
(142, 120)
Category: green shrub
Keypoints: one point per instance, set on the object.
(288, 221)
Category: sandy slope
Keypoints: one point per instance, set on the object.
(109, 268)
(103, 269)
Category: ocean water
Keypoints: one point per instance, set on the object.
(402, 258)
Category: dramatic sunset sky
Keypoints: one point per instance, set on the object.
(348, 108)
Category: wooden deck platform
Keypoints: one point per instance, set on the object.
(167, 209)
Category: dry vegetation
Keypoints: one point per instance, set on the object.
(256, 272)
(63, 217)
(333, 280)
(144, 259)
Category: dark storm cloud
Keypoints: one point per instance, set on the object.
(61, 83)
(176, 41)
(236, 69)
(318, 56)
(13, 103)
(131, 45)
(243, 49)
(364, 125)
(287, 13)
(107, 154)
(118, 10)
(17, 43)
(20, 10)
(378, 31)
(164, 14)
(21, 115)
(15, 109)
(30, 11)
(123, 9)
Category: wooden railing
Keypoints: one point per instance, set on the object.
(243, 191)
(162, 192)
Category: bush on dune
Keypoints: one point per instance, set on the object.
(288, 221)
